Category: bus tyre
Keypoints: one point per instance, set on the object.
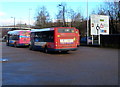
(64, 51)
(30, 47)
(46, 50)
(15, 45)
(7, 44)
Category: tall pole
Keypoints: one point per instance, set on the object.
(64, 16)
(119, 11)
(29, 17)
(87, 24)
(14, 21)
(20, 23)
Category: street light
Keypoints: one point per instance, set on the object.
(87, 24)
(14, 21)
(119, 11)
(29, 16)
(63, 14)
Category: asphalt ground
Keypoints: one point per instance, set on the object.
(86, 66)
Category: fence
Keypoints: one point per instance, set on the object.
(110, 41)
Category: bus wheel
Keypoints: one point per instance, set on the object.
(7, 44)
(15, 45)
(46, 50)
(64, 51)
(30, 47)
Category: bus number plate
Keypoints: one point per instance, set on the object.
(66, 41)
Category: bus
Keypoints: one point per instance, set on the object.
(18, 38)
(62, 39)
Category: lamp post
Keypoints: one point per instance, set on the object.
(119, 11)
(63, 14)
(14, 21)
(87, 24)
(29, 17)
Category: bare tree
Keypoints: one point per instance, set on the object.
(61, 16)
(111, 9)
(43, 18)
(77, 21)
(71, 15)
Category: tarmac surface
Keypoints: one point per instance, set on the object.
(86, 66)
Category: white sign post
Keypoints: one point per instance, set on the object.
(99, 25)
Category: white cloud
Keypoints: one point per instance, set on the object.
(2, 14)
(10, 21)
(55, 20)
(4, 22)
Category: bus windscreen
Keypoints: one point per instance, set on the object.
(65, 30)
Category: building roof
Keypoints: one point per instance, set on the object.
(24, 28)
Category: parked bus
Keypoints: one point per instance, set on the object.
(62, 39)
(18, 38)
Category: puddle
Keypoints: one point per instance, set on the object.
(3, 60)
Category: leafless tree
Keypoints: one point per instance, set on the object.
(71, 15)
(61, 16)
(43, 18)
(112, 9)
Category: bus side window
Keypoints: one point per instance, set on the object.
(15, 37)
(10, 37)
(49, 36)
(32, 35)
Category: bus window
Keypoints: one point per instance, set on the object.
(62, 30)
(46, 36)
(14, 37)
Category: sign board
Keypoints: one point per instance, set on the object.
(99, 24)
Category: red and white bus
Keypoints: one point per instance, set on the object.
(18, 38)
(62, 39)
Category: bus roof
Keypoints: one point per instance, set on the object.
(40, 30)
(16, 32)
(47, 29)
